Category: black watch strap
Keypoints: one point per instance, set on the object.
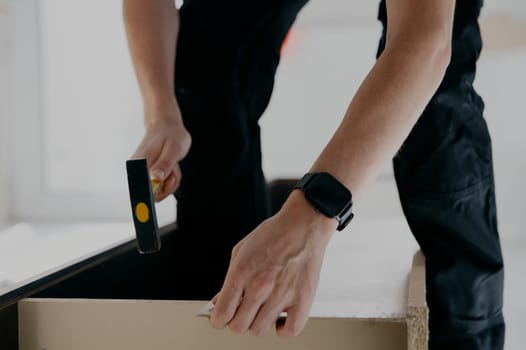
(303, 181)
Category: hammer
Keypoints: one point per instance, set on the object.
(142, 197)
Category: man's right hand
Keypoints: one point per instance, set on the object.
(165, 143)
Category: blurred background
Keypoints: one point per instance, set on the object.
(71, 113)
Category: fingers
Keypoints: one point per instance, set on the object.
(166, 161)
(166, 169)
(297, 317)
(163, 153)
(167, 185)
(260, 318)
(214, 299)
(226, 305)
(226, 302)
(259, 290)
(245, 314)
(267, 317)
(269, 313)
(170, 185)
(152, 150)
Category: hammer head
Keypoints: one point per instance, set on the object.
(142, 200)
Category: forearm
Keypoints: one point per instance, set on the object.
(152, 28)
(382, 113)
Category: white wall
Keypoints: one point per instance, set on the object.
(78, 111)
(513, 7)
(4, 99)
(331, 48)
(500, 82)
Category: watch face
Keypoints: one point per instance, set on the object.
(327, 195)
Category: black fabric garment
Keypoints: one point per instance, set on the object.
(444, 174)
(227, 56)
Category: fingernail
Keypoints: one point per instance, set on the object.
(157, 175)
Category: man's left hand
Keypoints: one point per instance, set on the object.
(275, 268)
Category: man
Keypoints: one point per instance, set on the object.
(203, 142)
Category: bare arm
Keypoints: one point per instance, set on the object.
(276, 268)
(152, 28)
(394, 93)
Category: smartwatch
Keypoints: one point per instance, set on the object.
(328, 196)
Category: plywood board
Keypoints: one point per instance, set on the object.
(162, 325)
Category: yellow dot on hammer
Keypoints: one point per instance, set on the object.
(142, 213)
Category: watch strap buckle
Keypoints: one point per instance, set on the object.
(345, 217)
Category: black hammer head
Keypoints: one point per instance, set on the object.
(143, 206)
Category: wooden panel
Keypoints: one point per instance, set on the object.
(417, 312)
(78, 324)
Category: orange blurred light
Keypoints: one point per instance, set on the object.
(289, 44)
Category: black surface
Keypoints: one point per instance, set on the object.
(9, 328)
(126, 275)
